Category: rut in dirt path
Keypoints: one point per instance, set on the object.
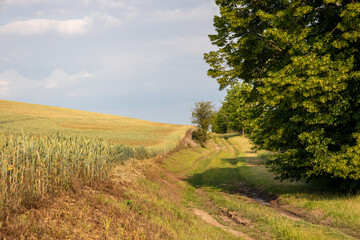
(263, 198)
(209, 219)
(224, 214)
(293, 213)
(221, 168)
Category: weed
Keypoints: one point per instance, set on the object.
(107, 222)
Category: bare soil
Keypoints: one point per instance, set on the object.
(209, 219)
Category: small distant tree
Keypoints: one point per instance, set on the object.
(202, 117)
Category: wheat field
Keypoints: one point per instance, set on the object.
(44, 149)
(17, 118)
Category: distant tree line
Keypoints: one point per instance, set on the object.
(292, 69)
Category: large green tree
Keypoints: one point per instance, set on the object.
(302, 60)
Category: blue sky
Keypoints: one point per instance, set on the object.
(133, 58)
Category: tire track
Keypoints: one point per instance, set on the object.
(209, 219)
(263, 198)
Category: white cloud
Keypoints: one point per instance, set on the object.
(5, 59)
(106, 3)
(39, 26)
(58, 78)
(4, 88)
(63, 27)
(79, 4)
(13, 84)
(183, 14)
(29, 2)
(51, 85)
(86, 74)
(107, 21)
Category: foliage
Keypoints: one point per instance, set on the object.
(202, 116)
(236, 109)
(302, 60)
(201, 136)
(220, 122)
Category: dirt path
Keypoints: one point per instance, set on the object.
(263, 198)
(215, 171)
(295, 214)
(209, 219)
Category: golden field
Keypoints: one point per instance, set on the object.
(16, 118)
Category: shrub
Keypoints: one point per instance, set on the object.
(200, 136)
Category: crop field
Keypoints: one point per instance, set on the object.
(223, 191)
(17, 118)
(46, 149)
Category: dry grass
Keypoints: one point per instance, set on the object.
(46, 150)
(141, 201)
(152, 199)
(32, 167)
(35, 119)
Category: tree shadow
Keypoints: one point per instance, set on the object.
(229, 135)
(251, 161)
(234, 161)
(233, 180)
(236, 180)
(230, 181)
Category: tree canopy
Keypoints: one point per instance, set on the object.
(234, 112)
(202, 114)
(302, 61)
(202, 117)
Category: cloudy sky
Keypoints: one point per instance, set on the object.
(134, 58)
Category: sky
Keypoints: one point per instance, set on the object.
(133, 58)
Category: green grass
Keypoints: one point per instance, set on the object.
(338, 209)
(146, 201)
(36, 161)
(170, 214)
(228, 162)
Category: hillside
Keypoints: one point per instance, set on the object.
(16, 117)
(59, 186)
(45, 150)
(219, 192)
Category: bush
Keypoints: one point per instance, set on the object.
(200, 136)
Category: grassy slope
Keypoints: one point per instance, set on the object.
(229, 181)
(146, 200)
(154, 199)
(17, 117)
(142, 201)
